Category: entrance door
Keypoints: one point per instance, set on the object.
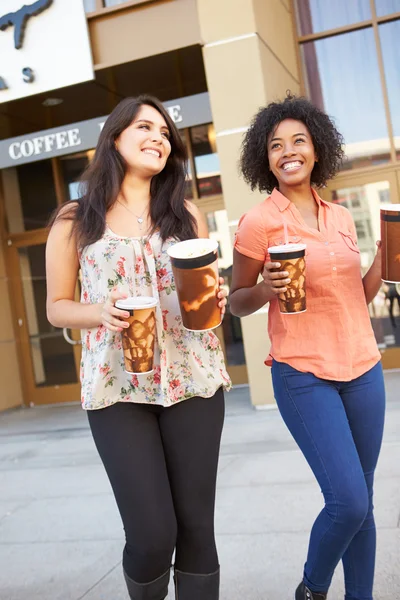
(49, 365)
(363, 195)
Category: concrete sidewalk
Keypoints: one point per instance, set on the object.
(61, 537)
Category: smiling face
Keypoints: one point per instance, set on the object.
(145, 144)
(291, 154)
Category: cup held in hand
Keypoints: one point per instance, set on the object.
(390, 237)
(195, 268)
(139, 338)
(292, 259)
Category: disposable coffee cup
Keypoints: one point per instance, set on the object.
(138, 339)
(195, 268)
(390, 237)
(292, 259)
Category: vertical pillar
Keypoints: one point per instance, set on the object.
(250, 60)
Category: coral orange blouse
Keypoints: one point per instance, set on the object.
(333, 339)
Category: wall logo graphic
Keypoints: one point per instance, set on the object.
(19, 19)
(44, 45)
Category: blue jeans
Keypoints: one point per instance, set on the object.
(338, 427)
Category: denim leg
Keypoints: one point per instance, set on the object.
(364, 402)
(314, 413)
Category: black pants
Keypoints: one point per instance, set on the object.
(162, 466)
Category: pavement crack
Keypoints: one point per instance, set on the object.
(100, 580)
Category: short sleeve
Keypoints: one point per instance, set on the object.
(250, 237)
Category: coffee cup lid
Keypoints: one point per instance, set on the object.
(193, 248)
(287, 248)
(136, 302)
(393, 207)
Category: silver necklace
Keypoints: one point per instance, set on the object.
(138, 219)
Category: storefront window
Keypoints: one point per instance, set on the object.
(389, 35)
(29, 195)
(90, 5)
(232, 330)
(342, 78)
(114, 2)
(387, 7)
(364, 202)
(52, 358)
(208, 171)
(314, 16)
(72, 169)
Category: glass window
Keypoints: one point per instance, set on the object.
(72, 169)
(52, 357)
(314, 16)
(30, 196)
(206, 160)
(349, 89)
(231, 325)
(389, 35)
(387, 7)
(385, 308)
(114, 2)
(90, 5)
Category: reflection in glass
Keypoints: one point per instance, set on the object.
(231, 325)
(52, 357)
(364, 203)
(313, 16)
(342, 78)
(387, 7)
(208, 171)
(72, 168)
(389, 35)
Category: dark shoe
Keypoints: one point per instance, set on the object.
(155, 590)
(303, 593)
(189, 586)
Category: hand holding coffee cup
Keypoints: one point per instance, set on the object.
(112, 317)
(275, 280)
(138, 337)
(222, 296)
(292, 295)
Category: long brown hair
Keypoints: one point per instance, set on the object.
(101, 182)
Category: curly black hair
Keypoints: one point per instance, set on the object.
(327, 141)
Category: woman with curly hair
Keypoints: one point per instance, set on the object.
(158, 433)
(326, 370)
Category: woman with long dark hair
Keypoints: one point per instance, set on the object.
(326, 369)
(157, 434)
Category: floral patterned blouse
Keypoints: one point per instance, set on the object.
(186, 363)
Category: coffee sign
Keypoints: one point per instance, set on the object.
(44, 45)
(76, 137)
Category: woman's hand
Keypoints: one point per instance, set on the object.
(222, 294)
(372, 281)
(276, 281)
(111, 316)
(378, 255)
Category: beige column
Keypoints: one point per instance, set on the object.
(250, 60)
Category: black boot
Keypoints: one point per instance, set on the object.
(303, 593)
(189, 586)
(155, 590)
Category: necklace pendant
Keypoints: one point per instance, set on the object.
(139, 220)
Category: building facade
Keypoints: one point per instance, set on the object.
(213, 63)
